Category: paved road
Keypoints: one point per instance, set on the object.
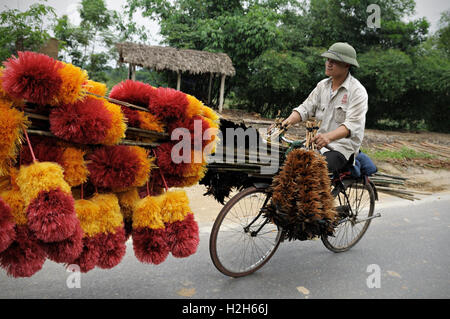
(410, 245)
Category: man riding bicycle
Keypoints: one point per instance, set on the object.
(340, 102)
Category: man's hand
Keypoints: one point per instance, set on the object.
(292, 119)
(322, 140)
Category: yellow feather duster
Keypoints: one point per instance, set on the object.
(5, 97)
(75, 168)
(109, 215)
(146, 165)
(118, 125)
(37, 177)
(127, 202)
(194, 107)
(210, 114)
(88, 213)
(73, 79)
(11, 123)
(147, 212)
(149, 122)
(175, 206)
(15, 201)
(96, 87)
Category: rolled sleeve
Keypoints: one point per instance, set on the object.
(308, 107)
(355, 118)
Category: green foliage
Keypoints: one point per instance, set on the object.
(20, 31)
(404, 153)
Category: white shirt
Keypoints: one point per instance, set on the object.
(346, 106)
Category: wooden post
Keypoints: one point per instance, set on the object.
(132, 72)
(209, 88)
(222, 89)
(179, 80)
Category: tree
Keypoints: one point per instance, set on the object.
(20, 31)
(333, 21)
(443, 34)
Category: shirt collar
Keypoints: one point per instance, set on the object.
(345, 84)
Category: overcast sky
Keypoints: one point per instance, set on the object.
(431, 9)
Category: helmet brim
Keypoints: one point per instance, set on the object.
(338, 57)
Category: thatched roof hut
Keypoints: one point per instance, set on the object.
(177, 60)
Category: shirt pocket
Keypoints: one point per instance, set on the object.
(340, 113)
(320, 112)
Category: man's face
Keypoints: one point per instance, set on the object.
(335, 68)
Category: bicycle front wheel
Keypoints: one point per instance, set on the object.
(242, 240)
(356, 205)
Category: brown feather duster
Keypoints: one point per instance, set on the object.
(302, 202)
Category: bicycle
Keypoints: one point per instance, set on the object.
(243, 240)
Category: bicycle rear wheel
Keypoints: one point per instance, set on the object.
(242, 240)
(356, 205)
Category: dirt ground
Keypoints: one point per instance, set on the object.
(431, 177)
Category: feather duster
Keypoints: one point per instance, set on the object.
(85, 122)
(67, 250)
(147, 213)
(118, 125)
(25, 256)
(75, 168)
(32, 76)
(7, 231)
(168, 104)
(50, 150)
(15, 201)
(133, 92)
(11, 123)
(194, 107)
(114, 166)
(150, 245)
(302, 203)
(127, 202)
(210, 114)
(96, 87)
(104, 241)
(48, 201)
(5, 97)
(175, 206)
(45, 149)
(73, 79)
(132, 116)
(148, 121)
(183, 236)
(112, 248)
(111, 238)
(89, 256)
(145, 165)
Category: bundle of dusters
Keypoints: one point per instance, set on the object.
(82, 172)
(302, 202)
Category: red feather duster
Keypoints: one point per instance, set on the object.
(183, 237)
(32, 76)
(90, 255)
(112, 248)
(168, 104)
(51, 216)
(68, 250)
(25, 256)
(150, 245)
(7, 231)
(133, 92)
(132, 116)
(85, 122)
(44, 149)
(113, 166)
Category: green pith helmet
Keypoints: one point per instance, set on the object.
(342, 51)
